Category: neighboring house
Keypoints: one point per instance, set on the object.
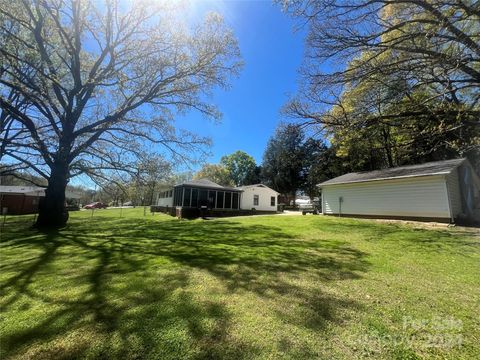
(259, 197)
(197, 197)
(442, 191)
(20, 200)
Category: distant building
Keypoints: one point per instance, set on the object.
(442, 191)
(21, 200)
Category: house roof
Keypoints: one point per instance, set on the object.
(22, 190)
(256, 185)
(33, 191)
(427, 169)
(208, 184)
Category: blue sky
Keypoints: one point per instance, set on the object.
(272, 52)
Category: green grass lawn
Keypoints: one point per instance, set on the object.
(265, 287)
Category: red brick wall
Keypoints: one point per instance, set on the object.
(19, 204)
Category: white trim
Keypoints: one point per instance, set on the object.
(257, 185)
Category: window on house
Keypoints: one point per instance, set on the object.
(255, 200)
(272, 201)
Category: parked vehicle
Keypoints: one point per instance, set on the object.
(95, 205)
(72, 207)
(310, 208)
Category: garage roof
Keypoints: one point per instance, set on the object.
(426, 169)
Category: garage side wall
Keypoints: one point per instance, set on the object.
(412, 197)
(453, 186)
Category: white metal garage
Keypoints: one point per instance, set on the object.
(435, 191)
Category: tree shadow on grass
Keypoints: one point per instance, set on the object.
(452, 241)
(127, 282)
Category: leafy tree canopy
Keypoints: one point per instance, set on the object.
(217, 173)
(241, 166)
(404, 80)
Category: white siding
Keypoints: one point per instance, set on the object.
(453, 186)
(418, 197)
(167, 201)
(264, 197)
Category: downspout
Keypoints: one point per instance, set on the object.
(340, 201)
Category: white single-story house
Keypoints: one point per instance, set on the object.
(259, 197)
(205, 195)
(200, 193)
(436, 191)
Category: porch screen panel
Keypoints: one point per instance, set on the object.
(203, 198)
(211, 199)
(220, 195)
(175, 196)
(194, 197)
(235, 201)
(228, 200)
(186, 197)
(179, 196)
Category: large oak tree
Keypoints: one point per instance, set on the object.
(86, 85)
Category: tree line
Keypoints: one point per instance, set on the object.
(391, 82)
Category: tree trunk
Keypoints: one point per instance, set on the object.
(52, 212)
(387, 147)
